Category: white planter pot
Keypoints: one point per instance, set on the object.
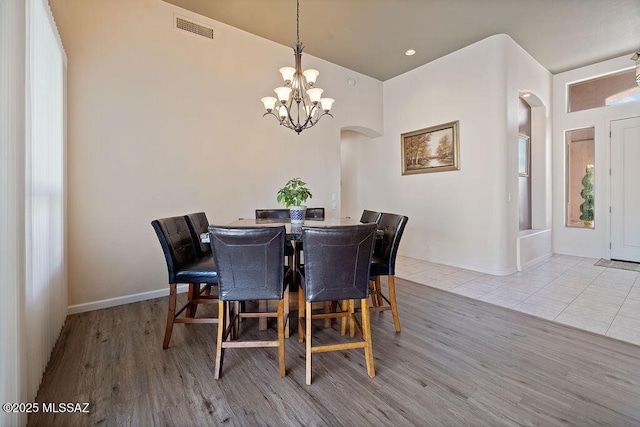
(297, 214)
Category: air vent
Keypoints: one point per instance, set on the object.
(194, 28)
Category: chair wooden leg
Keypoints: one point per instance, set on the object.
(352, 323)
(286, 302)
(301, 314)
(281, 338)
(373, 294)
(235, 315)
(262, 322)
(173, 291)
(308, 342)
(292, 267)
(366, 332)
(394, 304)
(379, 292)
(343, 322)
(222, 321)
(327, 309)
(191, 295)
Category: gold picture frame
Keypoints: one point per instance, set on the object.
(433, 149)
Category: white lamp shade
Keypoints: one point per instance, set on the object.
(311, 76)
(327, 103)
(282, 111)
(314, 94)
(269, 102)
(283, 93)
(287, 73)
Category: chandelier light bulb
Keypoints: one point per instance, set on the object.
(269, 102)
(283, 93)
(311, 76)
(287, 73)
(327, 103)
(314, 94)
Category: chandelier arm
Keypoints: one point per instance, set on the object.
(279, 119)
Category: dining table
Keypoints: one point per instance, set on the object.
(293, 231)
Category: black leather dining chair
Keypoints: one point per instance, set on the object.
(273, 213)
(249, 262)
(199, 224)
(314, 213)
(384, 264)
(184, 266)
(370, 216)
(336, 268)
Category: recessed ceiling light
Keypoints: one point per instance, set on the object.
(410, 52)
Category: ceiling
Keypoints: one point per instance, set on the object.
(371, 36)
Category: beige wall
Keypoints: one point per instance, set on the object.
(164, 123)
(467, 218)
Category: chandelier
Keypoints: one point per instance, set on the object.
(299, 104)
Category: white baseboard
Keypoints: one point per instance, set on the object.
(533, 262)
(126, 299)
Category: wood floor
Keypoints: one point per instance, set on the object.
(457, 362)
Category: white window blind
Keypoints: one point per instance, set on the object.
(45, 293)
(33, 283)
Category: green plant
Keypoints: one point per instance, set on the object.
(587, 194)
(294, 193)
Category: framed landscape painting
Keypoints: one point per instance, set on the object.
(433, 149)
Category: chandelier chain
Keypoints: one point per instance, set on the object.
(298, 21)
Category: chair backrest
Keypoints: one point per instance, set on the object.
(272, 214)
(370, 216)
(337, 261)
(249, 262)
(177, 243)
(314, 213)
(386, 248)
(198, 224)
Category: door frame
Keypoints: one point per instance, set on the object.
(609, 221)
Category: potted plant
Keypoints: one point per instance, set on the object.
(293, 196)
(587, 194)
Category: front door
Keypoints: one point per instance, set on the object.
(625, 189)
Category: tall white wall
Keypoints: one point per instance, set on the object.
(593, 242)
(162, 123)
(462, 218)
(526, 76)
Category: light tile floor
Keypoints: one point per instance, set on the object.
(565, 289)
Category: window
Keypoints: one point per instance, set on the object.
(580, 177)
(612, 89)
